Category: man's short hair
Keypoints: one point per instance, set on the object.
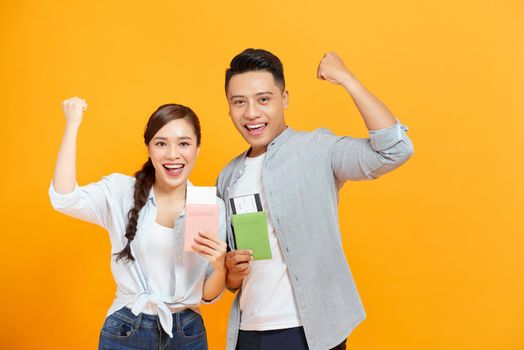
(256, 60)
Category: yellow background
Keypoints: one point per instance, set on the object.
(436, 247)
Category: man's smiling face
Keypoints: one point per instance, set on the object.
(256, 106)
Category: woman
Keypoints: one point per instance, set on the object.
(159, 286)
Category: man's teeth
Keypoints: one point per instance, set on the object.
(254, 126)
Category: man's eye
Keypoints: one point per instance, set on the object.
(238, 102)
(264, 99)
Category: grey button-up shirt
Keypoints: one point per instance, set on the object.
(302, 174)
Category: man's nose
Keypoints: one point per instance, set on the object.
(252, 111)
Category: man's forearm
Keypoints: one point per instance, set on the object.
(233, 282)
(376, 115)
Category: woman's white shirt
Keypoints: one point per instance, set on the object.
(150, 284)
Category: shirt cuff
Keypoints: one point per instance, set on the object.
(386, 138)
(215, 299)
(63, 200)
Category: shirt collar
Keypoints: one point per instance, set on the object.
(275, 143)
(281, 138)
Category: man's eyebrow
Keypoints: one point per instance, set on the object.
(257, 94)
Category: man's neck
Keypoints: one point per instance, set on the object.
(255, 152)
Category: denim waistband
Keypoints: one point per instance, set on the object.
(152, 321)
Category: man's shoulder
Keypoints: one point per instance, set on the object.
(308, 136)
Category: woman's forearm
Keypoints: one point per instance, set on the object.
(64, 179)
(214, 285)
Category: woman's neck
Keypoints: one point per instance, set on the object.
(170, 193)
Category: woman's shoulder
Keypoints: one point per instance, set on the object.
(120, 184)
(121, 180)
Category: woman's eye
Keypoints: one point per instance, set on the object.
(184, 144)
(160, 143)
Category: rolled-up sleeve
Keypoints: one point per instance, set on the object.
(361, 159)
(89, 203)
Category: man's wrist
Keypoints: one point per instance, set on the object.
(350, 82)
(233, 285)
(353, 86)
(234, 278)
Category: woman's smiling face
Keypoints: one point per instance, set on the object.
(173, 151)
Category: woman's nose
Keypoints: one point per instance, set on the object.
(173, 152)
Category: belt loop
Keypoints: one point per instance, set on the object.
(158, 324)
(161, 332)
(178, 324)
(138, 322)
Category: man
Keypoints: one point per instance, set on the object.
(304, 297)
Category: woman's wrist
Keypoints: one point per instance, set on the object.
(72, 127)
(221, 270)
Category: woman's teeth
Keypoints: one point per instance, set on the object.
(174, 169)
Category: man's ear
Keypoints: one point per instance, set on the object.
(228, 108)
(285, 99)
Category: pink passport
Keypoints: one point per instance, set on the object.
(199, 218)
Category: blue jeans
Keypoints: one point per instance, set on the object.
(124, 331)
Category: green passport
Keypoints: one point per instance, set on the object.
(251, 233)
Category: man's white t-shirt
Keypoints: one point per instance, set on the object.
(267, 301)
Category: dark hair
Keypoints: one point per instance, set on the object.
(145, 177)
(256, 60)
